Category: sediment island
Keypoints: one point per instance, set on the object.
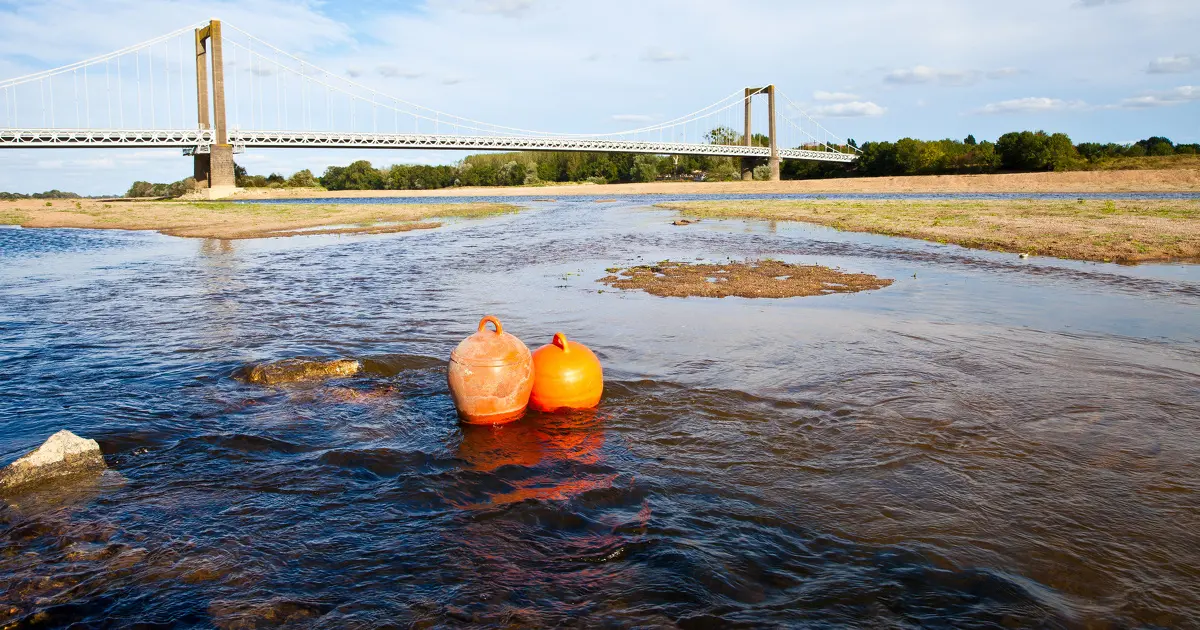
(1092, 229)
(224, 220)
(1080, 229)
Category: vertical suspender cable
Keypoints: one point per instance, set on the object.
(120, 95)
(237, 103)
(138, 57)
(52, 101)
(182, 107)
(262, 119)
(250, 89)
(75, 89)
(167, 72)
(150, 70)
(107, 94)
(278, 105)
(250, 81)
(279, 68)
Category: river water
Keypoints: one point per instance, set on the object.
(988, 442)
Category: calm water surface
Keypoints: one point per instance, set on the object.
(989, 442)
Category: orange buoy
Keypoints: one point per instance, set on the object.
(566, 374)
(491, 374)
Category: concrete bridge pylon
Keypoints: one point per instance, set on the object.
(748, 137)
(214, 170)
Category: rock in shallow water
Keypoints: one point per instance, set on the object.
(292, 370)
(63, 455)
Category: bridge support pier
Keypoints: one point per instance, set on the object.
(748, 137)
(213, 171)
(773, 161)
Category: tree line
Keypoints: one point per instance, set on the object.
(1021, 151)
(49, 194)
(1018, 151)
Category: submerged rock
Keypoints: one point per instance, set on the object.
(293, 370)
(64, 454)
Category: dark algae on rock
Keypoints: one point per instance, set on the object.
(749, 279)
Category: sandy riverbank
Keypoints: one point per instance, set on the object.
(1174, 180)
(237, 221)
(1108, 231)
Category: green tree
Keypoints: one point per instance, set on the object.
(140, 189)
(1062, 153)
(1024, 151)
(302, 179)
(645, 169)
(358, 175)
(1157, 145)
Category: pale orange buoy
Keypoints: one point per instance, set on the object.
(490, 376)
(566, 374)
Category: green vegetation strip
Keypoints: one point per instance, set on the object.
(1097, 230)
(225, 220)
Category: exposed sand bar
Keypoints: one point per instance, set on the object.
(1109, 231)
(1165, 180)
(238, 221)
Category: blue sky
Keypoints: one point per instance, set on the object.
(1102, 70)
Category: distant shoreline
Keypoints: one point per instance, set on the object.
(1173, 180)
(223, 220)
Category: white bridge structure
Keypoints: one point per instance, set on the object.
(157, 94)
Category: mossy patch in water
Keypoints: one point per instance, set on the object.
(750, 279)
(295, 370)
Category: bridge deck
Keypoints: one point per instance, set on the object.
(199, 140)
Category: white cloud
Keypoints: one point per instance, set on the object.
(853, 109)
(925, 74)
(1175, 64)
(354, 73)
(632, 117)
(1177, 96)
(1031, 104)
(951, 78)
(452, 80)
(658, 55)
(506, 8)
(1004, 73)
(391, 71)
(834, 97)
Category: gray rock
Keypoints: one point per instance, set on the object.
(64, 454)
(295, 370)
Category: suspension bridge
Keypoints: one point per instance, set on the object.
(246, 93)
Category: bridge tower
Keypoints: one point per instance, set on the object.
(213, 170)
(748, 139)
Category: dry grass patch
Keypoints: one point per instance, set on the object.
(226, 220)
(751, 279)
(1108, 231)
